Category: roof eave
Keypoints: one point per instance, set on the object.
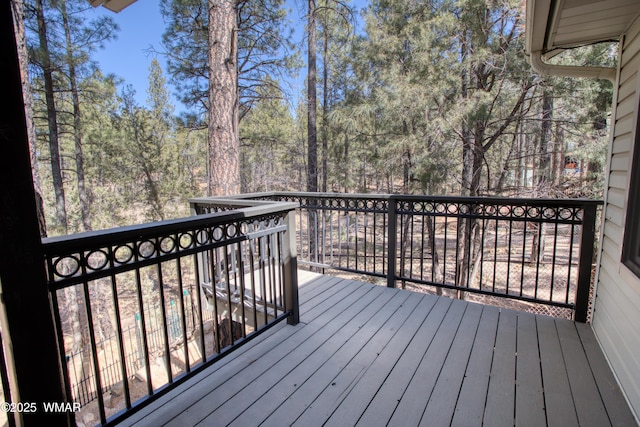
(112, 5)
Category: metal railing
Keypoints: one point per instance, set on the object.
(239, 264)
(537, 251)
(141, 308)
(83, 387)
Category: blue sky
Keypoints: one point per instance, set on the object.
(141, 27)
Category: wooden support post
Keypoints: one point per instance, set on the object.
(291, 269)
(28, 329)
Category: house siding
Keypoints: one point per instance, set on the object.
(616, 317)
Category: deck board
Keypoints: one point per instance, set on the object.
(336, 352)
(586, 396)
(443, 397)
(499, 407)
(390, 393)
(361, 392)
(529, 394)
(333, 380)
(558, 400)
(470, 402)
(411, 406)
(617, 407)
(368, 355)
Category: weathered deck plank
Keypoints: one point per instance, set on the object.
(319, 394)
(586, 396)
(370, 356)
(386, 400)
(442, 401)
(499, 409)
(529, 394)
(471, 400)
(617, 407)
(558, 400)
(362, 391)
(289, 353)
(334, 353)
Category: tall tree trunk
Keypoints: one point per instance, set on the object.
(468, 162)
(558, 155)
(312, 137)
(52, 120)
(77, 125)
(18, 20)
(224, 142)
(544, 156)
(521, 177)
(346, 162)
(325, 100)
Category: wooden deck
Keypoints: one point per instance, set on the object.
(368, 355)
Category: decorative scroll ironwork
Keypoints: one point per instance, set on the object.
(514, 210)
(74, 262)
(533, 250)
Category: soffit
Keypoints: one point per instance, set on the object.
(558, 24)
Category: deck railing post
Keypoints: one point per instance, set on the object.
(586, 259)
(291, 269)
(392, 231)
(28, 329)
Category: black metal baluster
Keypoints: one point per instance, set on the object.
(252, 272)
(263, 278)
(422, 253)
(538, 259)
(444, 254)
(481, 248)
(457, 243)
(242, 288)
(199, 301)
(182, 316)
(509, 250)
(225, 256)
(163, 313)
(60, 337)
(571, 245)
(495, 251)
(355, 232)
(278, 236)
(411, 218)
(554, 259)
(94, 349)
(214, 299)
(524, 248)
(272, 273)
(121, 349)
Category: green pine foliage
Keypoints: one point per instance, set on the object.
(414, 97)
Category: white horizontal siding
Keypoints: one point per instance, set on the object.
(618, 180)
(624, 125)
(626, 107)
(623, 144)
(616, 318)
(615, 215)
(616, 197)
(613, 231)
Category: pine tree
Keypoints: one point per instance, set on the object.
(224, 142)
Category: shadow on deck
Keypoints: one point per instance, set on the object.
(369, 355)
